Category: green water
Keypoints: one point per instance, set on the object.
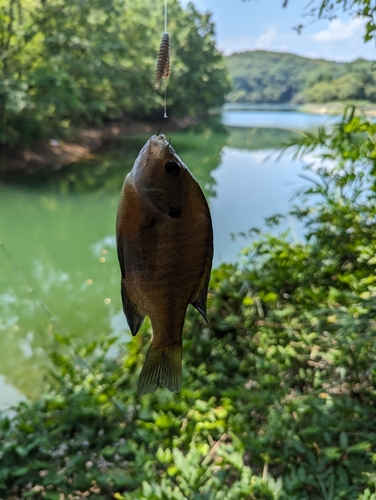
(58, 266)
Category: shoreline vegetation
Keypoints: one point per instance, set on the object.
(54, 153)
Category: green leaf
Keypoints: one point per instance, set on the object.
(360, 447)
(332, 452)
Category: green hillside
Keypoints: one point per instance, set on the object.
(276, 77)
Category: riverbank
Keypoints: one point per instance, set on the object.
(328, 108)
(336, 108)
(54, 153)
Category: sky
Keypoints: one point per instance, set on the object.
(265, 24)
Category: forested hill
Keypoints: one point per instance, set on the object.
(276, 77)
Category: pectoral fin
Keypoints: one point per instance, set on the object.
(133, 315)
(200, 304)
(199, 301)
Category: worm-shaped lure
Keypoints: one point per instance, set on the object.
(163, 63)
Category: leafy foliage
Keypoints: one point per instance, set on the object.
(261, 76)
(65, 63)
(279, 389)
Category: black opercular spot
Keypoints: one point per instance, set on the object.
(174, 212)
(172, 168)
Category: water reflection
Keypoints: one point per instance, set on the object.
(61, 274)
(105, 170)
(252, 185)
(292, 120)
(257, 138)
(9, 395)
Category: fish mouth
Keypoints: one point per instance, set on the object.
(159, 146)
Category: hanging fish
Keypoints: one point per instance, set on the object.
(165, 249)
(163, 69)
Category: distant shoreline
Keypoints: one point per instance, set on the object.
(54, 154)
(336, 108)
(329, 108)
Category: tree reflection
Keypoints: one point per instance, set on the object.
(258, 137)
(199, 148)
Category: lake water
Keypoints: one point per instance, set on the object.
(288, 120)
(58, 264)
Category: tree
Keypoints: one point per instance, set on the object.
(66, 63)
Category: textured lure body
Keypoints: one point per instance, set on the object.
(165, 250)
(163, 69)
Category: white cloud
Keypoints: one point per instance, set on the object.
(242, 43)
(338, 31)
(265, 39)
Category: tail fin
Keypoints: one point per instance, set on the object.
(162, 367)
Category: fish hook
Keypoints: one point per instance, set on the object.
(160, 128)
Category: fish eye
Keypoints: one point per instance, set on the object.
(174, 212)
(172, 168)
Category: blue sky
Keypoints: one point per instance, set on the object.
(264, 24)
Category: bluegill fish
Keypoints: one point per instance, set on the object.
(165, 248)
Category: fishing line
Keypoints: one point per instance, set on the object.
(60, 328)
(165, 15)
(160, 128)
(165, 103)
(165, 93)
(163, 61)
